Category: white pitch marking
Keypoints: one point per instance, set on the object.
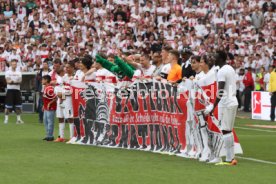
(256, 160)
(260, 130)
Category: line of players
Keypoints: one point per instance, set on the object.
(164, 66)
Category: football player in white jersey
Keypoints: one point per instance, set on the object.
(144, 68)
(65, 109)
(84, 66)
(192, 133)
(227, 105)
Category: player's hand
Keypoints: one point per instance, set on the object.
(59, 95)
(158, 78)
(209, 109)
(82, 79)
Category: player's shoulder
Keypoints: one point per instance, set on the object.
(152, 67)
(8, 71)
(226, 68)
(178, 67)
(166, 67)
(78, 72)
(137, 72)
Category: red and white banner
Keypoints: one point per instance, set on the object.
(261, 105)
(147, 115)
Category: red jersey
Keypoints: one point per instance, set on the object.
(48, 96)
(248, 80)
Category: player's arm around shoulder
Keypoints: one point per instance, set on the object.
(8, 77)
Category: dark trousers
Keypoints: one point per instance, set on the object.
(273, 105)
(39, 109)
(247, 98)
(238, 98)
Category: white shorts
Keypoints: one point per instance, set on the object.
(66, 110)
(227, 116)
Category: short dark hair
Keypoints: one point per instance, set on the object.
(209, 59)
(145, 55)
(175, 53)
(71, 63)
(86, 62)
(57, 61)
(60, 69)
(221, 56)
(47, 78)
(196, 57)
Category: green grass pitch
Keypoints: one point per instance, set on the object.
(25, 158)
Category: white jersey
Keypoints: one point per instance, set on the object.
(15, 76)
(147, 73)
(101, 75)
(199, 76)
(79, 75)
(60, 85)
(137, 74)
(165, 70)
(111, 78)
(227, 74)
(157, 71)
(90, 78)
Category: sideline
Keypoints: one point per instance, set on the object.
(255, 129)
(256, 160)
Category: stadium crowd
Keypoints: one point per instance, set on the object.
(37, 32)
(120, 41)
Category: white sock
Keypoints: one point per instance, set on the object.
(6, 117)
(61, 130)
(204, 136)
(18, 118)
(229, 146)
(72, 129)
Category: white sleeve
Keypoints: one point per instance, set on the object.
(221, 76)
(18, 78)
(7, 75)
(136, 75)
(57, 90)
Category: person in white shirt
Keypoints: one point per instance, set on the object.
(14, 56)
(195, 64)
(192, 133)
(166, 64)
(64, 102)
(13, 97)
(227, 104)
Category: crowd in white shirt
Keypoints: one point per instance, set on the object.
(35, 30)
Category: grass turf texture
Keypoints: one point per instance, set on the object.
(25, 158)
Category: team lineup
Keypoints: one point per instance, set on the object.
(122, 73)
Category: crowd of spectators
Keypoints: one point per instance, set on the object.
(35, 31)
